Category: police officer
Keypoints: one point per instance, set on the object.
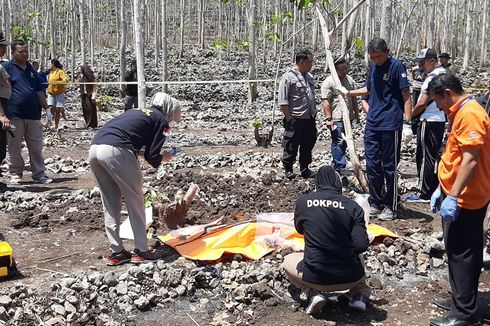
(114, 160)
(297, 102)
(335, 234)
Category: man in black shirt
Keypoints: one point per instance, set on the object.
(335, 235)
(131, 89)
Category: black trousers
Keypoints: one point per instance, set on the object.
(429, 142)
(298, 133)
(463, 239)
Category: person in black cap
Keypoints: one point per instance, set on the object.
(444, 61)
(335, 235)
(5, 92)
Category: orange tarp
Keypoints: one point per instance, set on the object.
(250, 239)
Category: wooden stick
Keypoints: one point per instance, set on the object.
(195, 322)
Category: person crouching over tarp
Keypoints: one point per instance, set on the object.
(114, 160)
(335, 234)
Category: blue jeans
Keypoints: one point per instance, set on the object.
(339, 161)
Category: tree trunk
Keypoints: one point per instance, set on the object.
(140, 55)
(345, 111)
(385, 27)
(252, 75)
(164, 46)
(52, 27)
(122, 45)
(82, 30)
(467, 36)
(182, 22)
(484, 46)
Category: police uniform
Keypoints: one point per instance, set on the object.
(298, 92)
(335, 234)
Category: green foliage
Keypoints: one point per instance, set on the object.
(160, 198)
(302, 3)
(220, 45)
(272, 37)
(244, 44)
(23, 32)
(256, 123)
(359, 46)
(282, 17)
(104, 102)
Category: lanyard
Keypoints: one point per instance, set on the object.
(450, 126)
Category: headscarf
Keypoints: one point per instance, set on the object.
(169, 106)
(328, 179)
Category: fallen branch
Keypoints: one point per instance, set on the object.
(195, 322)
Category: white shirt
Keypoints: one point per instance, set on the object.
(432, 112)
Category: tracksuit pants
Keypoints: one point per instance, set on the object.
(118, 174)
(298, 133)
(429, 142)
(382, 152)
(464, 247)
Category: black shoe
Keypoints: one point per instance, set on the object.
(444, 303)
(290, 175)
(454, 321)
(308, 174)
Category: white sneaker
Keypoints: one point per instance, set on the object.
(374, 211)
(43, 180)
(317, 302)
(387, 215)
(15, 180)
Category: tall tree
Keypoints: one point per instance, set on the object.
(252, 74)
(138, 19)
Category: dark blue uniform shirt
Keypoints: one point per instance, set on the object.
(385, 84)
(134, 129)
(24, 102)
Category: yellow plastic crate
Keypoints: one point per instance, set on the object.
(6, 260)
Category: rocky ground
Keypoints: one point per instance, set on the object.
(57, 233)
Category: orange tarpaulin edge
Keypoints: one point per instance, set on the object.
(252, 240)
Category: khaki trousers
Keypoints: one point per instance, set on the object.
(295, 276)
(32, 132)
(118, 174)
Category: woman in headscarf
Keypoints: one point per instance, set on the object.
(57, 81)
(88, 93)
(114, 160)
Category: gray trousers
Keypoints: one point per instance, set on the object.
(118, 174)
(32, 132)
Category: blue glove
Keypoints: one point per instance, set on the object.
(449, 208)
(435, 200)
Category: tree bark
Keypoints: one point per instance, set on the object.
(252, 75)
(484, 45)
(140, 55)
(122, 45)
(164, 46)
(345, 111)
(467, 36)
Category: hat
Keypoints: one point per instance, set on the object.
(168, 105)
(3, 40)
(444, 55)
(426, 53)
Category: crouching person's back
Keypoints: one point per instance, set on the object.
(335, 234)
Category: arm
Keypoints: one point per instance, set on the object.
(154, 145)
(360, 240)
(285, 111)
(94, 91)
(421, 104)
(466, 171)
(42, 99)
(3, 118)
(364, 105)
(358, 92)
(327, 110)
(407, 104)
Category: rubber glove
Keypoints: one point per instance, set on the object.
(449, 208)
(435, 200)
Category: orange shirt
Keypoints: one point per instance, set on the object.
(470, 129)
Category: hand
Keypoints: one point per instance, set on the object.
(435, 200)
(288, 117)
(330, 124)
(93, 101)
(449, 208)
(5, 122)
(343, 90)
